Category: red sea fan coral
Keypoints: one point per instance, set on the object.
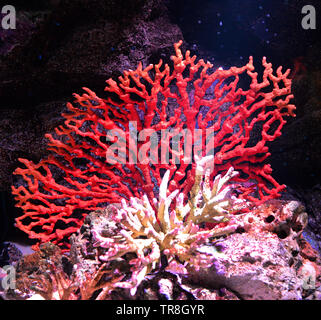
(152, 120)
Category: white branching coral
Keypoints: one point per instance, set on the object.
(172, 228)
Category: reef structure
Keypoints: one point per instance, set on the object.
(57, 193)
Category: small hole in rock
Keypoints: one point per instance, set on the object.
(295, 253)
(269, 219)
(240, 230)
(282, 234)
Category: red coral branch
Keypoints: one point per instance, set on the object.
(76, 178)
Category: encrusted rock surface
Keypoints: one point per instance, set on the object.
(9, 254)
(267, 258)
(32, 271)
(256, 267)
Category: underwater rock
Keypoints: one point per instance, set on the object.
(257, 267)
(311, 197)
(265, 258)
(268, 259)
(66, 45)
(9, 254)
(33, 269)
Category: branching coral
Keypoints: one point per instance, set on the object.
(75, 179)
(173, 229)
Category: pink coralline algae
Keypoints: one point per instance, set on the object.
(75, 178)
